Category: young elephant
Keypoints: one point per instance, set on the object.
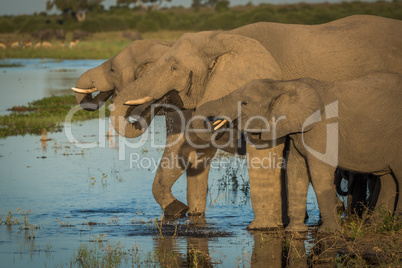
(354, 125)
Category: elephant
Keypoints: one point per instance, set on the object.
(112, 75)
(205, 66)
(364, 138)
(358, 201)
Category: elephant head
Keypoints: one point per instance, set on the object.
(110, 77)
(271, 109)
(199, 67)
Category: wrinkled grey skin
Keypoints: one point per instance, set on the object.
(366, 138)
(114, 74)
(205, 66)
(110, 77)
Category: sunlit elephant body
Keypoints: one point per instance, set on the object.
(205, 66)
(354, 125)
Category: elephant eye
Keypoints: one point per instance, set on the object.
(173, 68)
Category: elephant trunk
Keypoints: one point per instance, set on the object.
(132, 121)
(120, 119)
(90, 103)
(86, 86)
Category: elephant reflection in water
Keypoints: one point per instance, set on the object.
(269, 250)
(197, 255)
(276, 250)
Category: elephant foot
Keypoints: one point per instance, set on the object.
(196, 213)
(296, 228)
(264, 225)
(175, 209)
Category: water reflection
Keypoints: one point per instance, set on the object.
(268, 250)
(35, 79)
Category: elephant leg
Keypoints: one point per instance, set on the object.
(169, 169)
(358, 193)
(386, 197)
(397, 175)
(264, 169)
(167, 174)
(374, 189)
(197, 180)
(322, 178)
(297, 185)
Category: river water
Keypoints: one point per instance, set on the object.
(86, 188)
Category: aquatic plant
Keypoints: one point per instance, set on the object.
(29, 228)
(99, 238)
(93, 179)
(9, 219)
(65, 224)
(25, 217)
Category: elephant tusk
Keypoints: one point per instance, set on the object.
(221, 124)
(85, 91)
(216, 122)
(139, 101)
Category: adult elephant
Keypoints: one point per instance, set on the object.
(114, 74)
(205, 66)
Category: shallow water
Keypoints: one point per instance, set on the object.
(101, 191)
(38, 78)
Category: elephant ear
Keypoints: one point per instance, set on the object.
(237, 61)
(295, 108)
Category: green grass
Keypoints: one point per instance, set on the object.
(84, 50)
(106, 27)
(99, 46)
(47, 113)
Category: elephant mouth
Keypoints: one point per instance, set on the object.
(219, 125)
(91, 102)
(141, 112)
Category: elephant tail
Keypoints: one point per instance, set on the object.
(337, 181)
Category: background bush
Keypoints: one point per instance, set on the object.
(222, 17)
(6, 25)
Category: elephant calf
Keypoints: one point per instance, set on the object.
(354, 125)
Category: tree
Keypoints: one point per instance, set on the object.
(75, 8)
(198, 3)
(145, 4)
(222, 6)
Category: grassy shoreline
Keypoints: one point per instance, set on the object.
(103, 45)
(48, 113)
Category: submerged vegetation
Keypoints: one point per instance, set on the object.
(47, 113)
